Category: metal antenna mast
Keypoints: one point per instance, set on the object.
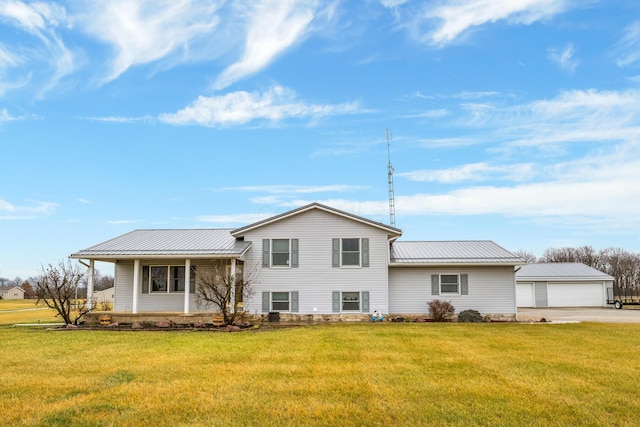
(392, 202)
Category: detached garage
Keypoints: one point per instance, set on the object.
(561, 285)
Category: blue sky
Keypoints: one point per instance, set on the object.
(516, 121)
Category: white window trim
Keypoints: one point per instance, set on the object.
(359, 310)
(450, 293)
(168, 291)
(271, 265)
(359, 239)
(271, 301)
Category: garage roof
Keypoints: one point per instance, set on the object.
(560, 271)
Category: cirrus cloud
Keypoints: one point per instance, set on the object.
(275, 104)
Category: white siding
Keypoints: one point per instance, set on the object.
(315, 278)
(492, 290)
(150, 302)
(123, 283)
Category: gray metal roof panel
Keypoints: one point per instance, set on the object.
(560, 271)
(393, 230)
(169, 242)
(451, 252)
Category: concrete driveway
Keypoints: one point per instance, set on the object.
(628, 314)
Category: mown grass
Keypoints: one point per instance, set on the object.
(338, 374)
(27, 312)
(16, 304)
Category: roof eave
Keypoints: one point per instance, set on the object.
(456, 264)
(394, 232)
(111, 258)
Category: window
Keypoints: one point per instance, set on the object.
(159, 282)
(166, 279)
(449, 284)
(280, 253)
(279, 301)
(283, 301)
(350, 301)
(350, 252)
(280, 250)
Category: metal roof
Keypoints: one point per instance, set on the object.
(451, 252)
(168, 242)
(396, 232)
(560, 271)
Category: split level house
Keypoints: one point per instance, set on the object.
(309, 262)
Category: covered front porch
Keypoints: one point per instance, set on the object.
(166, 285)
(156, 271)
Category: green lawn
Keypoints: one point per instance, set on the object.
(335, 374)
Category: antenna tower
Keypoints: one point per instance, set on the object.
(392, 202)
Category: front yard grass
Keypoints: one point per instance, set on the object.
(334, 374)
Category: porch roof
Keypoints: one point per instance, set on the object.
(168, 243)
(431, 253)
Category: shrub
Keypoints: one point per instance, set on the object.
(472, 316)
(440, 311)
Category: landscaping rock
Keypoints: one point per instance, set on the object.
(233, 328)
(199, 325)
(113, 325)
(163, 324)
(70, 326)
(136, 325)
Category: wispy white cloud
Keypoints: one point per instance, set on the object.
(276, 104)
(576, 116)
(445, 22)
(8, 58)
(295, 189)
(120, 119)
(392, 3)
(273, 26)
(241, 219)
(472, 172)
(146, 31)
(42, 21)
(124, 221)
(10, 211)
(5, 117)
(564, 58)
(627, 49)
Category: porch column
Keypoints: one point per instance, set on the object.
(136, 285)
(90, 281)
(233, 288)
(187, 282)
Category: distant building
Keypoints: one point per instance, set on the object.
(104, 298)
(11, 292)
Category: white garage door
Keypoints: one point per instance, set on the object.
(575, 295)
(524, 294)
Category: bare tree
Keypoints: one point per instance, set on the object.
(217, 286)
(57, 288)
(103, 282)
(529, 257)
